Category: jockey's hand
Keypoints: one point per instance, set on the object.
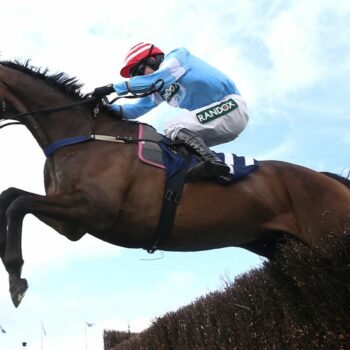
(103, 90)
(114, 109)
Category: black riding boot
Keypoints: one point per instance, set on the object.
(210, 165)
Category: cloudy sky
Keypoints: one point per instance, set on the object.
(290, 60)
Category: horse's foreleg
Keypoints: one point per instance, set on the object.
(68, 208)
(6, 198)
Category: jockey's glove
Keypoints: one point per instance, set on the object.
(103, 90)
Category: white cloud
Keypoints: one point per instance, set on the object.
(296, 39)
(281, 152)
(293, 49)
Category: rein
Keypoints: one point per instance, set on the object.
(54, 109)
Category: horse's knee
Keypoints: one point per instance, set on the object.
(10, 192)
(7, 196)
(13, 264)
(15, 209)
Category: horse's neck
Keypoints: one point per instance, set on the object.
(30, 94)
(50, 127)
(34, 127)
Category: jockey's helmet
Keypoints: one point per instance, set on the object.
(140, 55)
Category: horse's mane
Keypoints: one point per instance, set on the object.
(69, 86)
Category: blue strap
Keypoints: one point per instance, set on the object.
(65, 142)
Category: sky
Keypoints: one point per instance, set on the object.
(291, 62)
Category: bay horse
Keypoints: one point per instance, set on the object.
(102, 188)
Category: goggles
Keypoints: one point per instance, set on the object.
(140, 67)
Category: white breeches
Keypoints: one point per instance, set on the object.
(217, 123)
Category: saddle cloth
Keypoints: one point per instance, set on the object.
(153, 149)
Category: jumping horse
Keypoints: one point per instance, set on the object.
(102, 188)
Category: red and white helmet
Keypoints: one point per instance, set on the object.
(137, 53)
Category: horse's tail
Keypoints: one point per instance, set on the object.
(339, 178)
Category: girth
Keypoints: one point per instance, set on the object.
(172, 195)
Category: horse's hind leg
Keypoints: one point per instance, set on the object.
(69, 208)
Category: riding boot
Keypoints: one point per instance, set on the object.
(210, 165)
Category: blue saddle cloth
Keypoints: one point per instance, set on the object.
(159, 153)
(240, 166)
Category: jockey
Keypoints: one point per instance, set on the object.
(216, 112)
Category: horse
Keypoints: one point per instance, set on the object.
(103, 189)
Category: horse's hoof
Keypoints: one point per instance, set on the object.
(18, 291)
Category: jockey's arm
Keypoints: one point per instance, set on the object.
(141, 107)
